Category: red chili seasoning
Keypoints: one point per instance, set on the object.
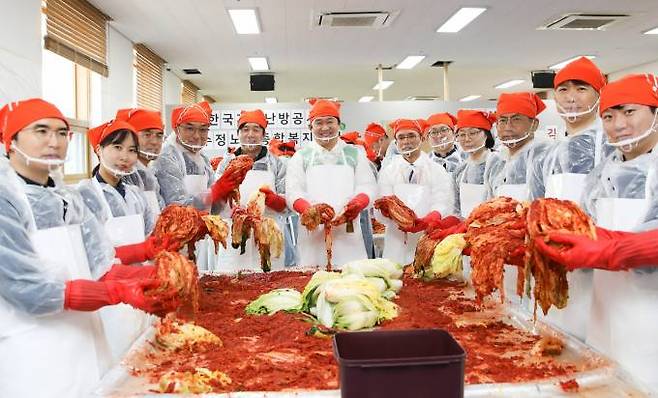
(274, 353)
(570, 385)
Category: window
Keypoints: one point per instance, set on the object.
(188, 93)
(71, 84)
(76, 30)
(148, 78)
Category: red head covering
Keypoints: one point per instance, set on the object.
(630, 89)
(21, 114)
(373, 133)
(97, 134)
(322, 108)
(195, 113)
(441, 118)
(417, 125)
(472, 118)
(256, 116)
(375, 129)
(528, 104)
(352, 138)
(582, 69)
(141, 119)
(3, 118)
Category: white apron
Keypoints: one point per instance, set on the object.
(59, 355)
(624, 318)
(417, 198)
(470, 197)
(195, 184)
(333, 185)
(517, 192)
(565, 186)
(573, 318)
(122, 323)
(570, 186)
(229, 259)
(521, 193)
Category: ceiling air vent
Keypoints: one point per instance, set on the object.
(193, 71)
(335, 99)
(368, 19)
(422, 98)
(584, 22)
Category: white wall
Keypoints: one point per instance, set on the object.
(118, 88)
(172, 90)
(651, 67)
(20, 50)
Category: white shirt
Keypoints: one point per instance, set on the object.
(426, 173)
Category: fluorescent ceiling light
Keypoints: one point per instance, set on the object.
(460, 19)
(271, 100)
(367, 98)
(509, 84)
(259, 64)
(470, 98)
(410, 62)
(653, 31)
(562, 64)
(245, 21)
(385, 84)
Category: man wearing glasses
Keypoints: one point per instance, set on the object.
(510, 169)
(184, 173)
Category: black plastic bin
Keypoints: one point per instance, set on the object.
(414, 363)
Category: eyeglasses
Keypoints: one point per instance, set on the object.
(326, 122)
(406, 137)
(437, 132)
(470, 134)
(514, 120)
(44, 133)
(152, 134)
(187, 129)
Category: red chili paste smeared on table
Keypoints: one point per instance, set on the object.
(274, 353)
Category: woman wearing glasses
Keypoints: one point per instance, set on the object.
(475, 139)
(440, 133)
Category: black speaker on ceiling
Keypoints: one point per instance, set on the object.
(542, 78)
(261, 82)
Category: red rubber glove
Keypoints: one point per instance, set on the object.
(222, 187)
(602, 233)
(121, 271)
(301, 205)
(448, 226)
(354, 206)
(432, 219)
(421, 224)
(86, 295)
(634, 250)
(147, 250)
(624, 251)
(273, 200)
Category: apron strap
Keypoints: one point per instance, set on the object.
(99, 190)
(598, 146)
